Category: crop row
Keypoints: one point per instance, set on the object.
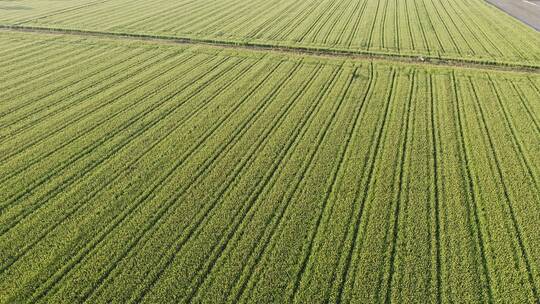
(166, 174)
(471, 30)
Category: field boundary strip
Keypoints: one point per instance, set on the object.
(297, 50)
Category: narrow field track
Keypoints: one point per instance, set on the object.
(293, 50)
(150, 172)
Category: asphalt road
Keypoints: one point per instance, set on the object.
(528, 11)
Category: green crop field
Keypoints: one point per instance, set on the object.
(151, 170)
(459, 29)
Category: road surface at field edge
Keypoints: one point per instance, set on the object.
(525, 11)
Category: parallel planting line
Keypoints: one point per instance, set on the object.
(343, 157)
(107, 14)
(299, 21)
(268, 182)
(14, 53)
(419, 22)
(513, 218)
(233, 16)
(365, 103)
(249, 122)
(407, 123)
(135, 243)
(347, 22)
(287, 198)
(115, 226)
(94, 126)
(415, 117)
(85, 151)
(239, 132)
(471, 192)
(260, 14)
(123, 144)
(494, 46)
(161, 13)
(71, 103)
(501, 37)
(352, 33)
(240, 215)
(108, 136)
(372, 29)
(61, 11)
(373, 184)
(394, 178)
(434, 129)
(433, 200)
(122, 93)
(57, 54)
(526, 106)
(269, 178)
(460, 32)
(26, 249)
(534, 85)
(22, 68)
(129, 252)
(270, 21)
(516, 142)
(409, 30)
(340, 11)
(63, 86)
(115, 13)
(65, 144)
(381, 29)
(397, 36)
(117, 175)
(434, 31)
(138, 202)
(137, 298)
(356, 226)
(29, 53)
(457, 48)
(53, 73)
(209, 15)
(121, 13)
(173, 15)
(466, 25)
(287, 29)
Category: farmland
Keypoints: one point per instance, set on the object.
(229, 163)
(210, 170)
(463, 29)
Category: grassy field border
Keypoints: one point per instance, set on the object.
(288, 49)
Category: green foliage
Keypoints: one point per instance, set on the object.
(144, 173)
(470, 30)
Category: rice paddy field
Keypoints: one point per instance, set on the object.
(470, 30)
(152, 171)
